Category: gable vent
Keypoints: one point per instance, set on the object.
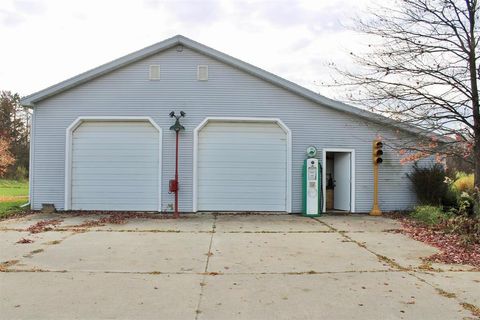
(202, 73)
(154, 72)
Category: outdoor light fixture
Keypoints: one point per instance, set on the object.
(173, 184)
(177, 126)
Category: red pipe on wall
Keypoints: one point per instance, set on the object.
(175, 214)
(173, 187)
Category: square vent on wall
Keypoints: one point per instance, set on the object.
(202, 73)
(154, 72)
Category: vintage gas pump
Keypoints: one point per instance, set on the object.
(173, 184)
(312, 186)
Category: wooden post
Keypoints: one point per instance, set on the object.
(377, 153)
(375, 210)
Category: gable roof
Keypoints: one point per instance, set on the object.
(30, 100)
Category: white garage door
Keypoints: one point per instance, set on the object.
(115, 166)
(242, 166)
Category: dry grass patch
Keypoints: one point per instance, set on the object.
(472, 308)
(7, 264)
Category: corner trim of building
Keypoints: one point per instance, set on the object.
(31, 169)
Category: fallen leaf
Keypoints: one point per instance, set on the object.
(24, 240)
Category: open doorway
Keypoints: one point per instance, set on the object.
(339, 180)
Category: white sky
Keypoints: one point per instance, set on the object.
(48, 41)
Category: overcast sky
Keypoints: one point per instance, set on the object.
(48, 41)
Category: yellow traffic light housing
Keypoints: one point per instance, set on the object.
(377, 152)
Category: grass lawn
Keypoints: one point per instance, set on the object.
(13, 188)
(13, 194)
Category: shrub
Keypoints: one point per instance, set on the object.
(20, 174)
(450, 199)
(463, 190)
(428, 184)
(430, 215)
(467, 228)
(463, 183)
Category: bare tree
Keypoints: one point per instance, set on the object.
(421, 69)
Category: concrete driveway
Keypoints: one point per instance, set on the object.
(227, 267)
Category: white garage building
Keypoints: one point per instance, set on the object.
(101, 140)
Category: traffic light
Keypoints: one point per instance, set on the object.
(377, 152)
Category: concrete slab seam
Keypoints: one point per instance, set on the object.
(209, 253)
(464, 304)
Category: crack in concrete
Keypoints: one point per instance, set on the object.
(464, 304)
(380, 257)
(213, 274)
(82, 230)
(134, 230)
(209, 254)
(474, 310)
(279, 231)
(394, 266)
(326, 225)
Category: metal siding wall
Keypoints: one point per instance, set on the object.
(228, 92)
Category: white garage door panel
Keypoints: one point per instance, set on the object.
(115, 166)
(276, 173)
(245, 206)
(107, 154)
(242, 166)
(109, 170)
(256, 146)
(118, 206)
(246, 154)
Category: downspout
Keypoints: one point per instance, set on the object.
(30, 156)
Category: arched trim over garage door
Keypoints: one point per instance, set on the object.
(288, 133)
(68, 150)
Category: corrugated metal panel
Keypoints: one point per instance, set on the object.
(228, 92)
(115, 166)
(242, 167)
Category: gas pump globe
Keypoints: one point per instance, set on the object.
(311, 152)
(312, 187)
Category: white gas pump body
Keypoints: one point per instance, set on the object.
(312, 187)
